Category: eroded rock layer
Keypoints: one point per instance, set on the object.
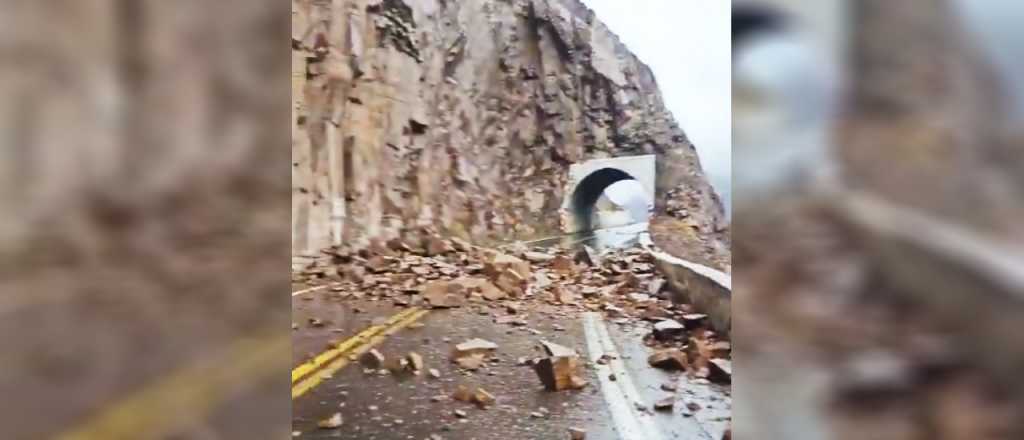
(466, 115)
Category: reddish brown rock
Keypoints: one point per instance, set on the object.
(563, 265)
(510, 282)
(560, 373)
(671, 359)
(498, 263)
(483, 398)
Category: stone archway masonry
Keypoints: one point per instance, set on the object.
(641, 168)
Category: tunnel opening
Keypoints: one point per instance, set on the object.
(590, 195)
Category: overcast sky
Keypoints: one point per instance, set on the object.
(687, 43)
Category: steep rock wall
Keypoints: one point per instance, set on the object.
(466, 116)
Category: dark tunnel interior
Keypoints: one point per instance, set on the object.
(589, 191)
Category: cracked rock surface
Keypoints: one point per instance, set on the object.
(466, 115)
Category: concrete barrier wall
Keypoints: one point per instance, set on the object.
(707, 289)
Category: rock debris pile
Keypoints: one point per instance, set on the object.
(517, 283)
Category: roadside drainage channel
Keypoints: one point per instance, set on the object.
(708, 290)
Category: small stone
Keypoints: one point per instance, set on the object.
(462, 394)
(372, 359)
(332, 422)
(415, 361)
(577, 434)
(434, 373)
(671, 359)
(482, 398)
(669, 386)
(460, 414)
(668, 329)
(474, 346)
(664, 404)
(472, 362)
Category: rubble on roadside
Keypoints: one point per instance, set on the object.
(517, 287)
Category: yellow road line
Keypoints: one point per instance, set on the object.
(189, 394)
(357, 348)
(327, 356)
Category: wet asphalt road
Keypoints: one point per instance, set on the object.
(388, 407)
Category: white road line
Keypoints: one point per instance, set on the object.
(309, 290)
(621, 395)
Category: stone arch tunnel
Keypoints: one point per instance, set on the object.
(586, 193)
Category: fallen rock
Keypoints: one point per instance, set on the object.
(720, 371)
(639, 297)
(671, 359)
(665, 404)
(538, 257)
(395, 366)
(655, 314)
(694, 320)
(721, 349)
(377, 264)
(668, 329)
(560, 373)
(438, 246)
(498, 263)
(511, 283)
(577, 434)
(332, 422)
(462, 394)
(565, 296)
(698, 351)
(471, 362)
(587, 255)
(556, 350)
(563, 265)
(474, 346)
(460, 414)
(414, 361)
(398, 245)
(482, 398)
(372, 359)
(444, 294)
(491, 292)
(654, 288)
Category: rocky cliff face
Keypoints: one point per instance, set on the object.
(466, 115)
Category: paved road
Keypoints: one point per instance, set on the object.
(386, 407)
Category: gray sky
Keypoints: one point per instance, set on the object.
(997, 24)
(687, 43)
